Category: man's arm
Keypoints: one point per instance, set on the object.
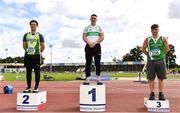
(86, 39)
(42, 46)
(100, 39)
(166, 49)
(145, 45)
(24, 42)
(24, 45)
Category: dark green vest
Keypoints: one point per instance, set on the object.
(155, 49)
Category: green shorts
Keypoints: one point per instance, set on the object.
(156, 67)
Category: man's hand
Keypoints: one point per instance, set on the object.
(92, 44)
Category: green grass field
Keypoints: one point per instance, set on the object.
(73, 76)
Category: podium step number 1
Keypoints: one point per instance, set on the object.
(92, 97)
(31, 101)
(156, 105)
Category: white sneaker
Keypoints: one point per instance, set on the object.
(87, 81)
(99, 80)
(27, 90)
(35, 90)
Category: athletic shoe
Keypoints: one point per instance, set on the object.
(99, 83)
(87, 81)
(161, 96)
(27, 90)
(99, 80)
(152, 96)
(35, 90)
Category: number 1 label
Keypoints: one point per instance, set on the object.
(93, 92)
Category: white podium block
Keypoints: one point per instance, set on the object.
(31, 101)
(92, 97)
(156, 105)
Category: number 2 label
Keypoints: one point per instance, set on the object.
(26, 98)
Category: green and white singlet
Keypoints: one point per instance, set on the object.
(93, 32)
(156, 48)
(33, 44)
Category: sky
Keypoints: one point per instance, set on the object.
(126, 23)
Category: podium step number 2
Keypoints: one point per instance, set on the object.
(31, 101)
(92, 97)
(156, 105)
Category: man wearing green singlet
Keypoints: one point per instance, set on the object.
(156, 47)
(33, 44)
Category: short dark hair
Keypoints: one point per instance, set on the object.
(154, 26)
(94, 15)
(33, 21)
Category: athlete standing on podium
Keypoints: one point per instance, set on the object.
(156, 47)
(33, 44)
(93, 35)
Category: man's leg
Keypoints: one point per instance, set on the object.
(37, 76)
(28, 79)
(88, 57)
(160, 85)
(151, 77)
(36, 66)
(97, 58)
(161, 74)
(151, 87)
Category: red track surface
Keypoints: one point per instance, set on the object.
(121, 96)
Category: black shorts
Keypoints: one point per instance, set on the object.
(156, 67)
(32, 60)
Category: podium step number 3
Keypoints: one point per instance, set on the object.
(31, 101)
(92, 97)
(156, 105)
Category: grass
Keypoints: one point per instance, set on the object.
(57, 76)
(73, 76)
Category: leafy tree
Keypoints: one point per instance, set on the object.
(116, 60)
(171, 57)
(16, 59)
(134, 55)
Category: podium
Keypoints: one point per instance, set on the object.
(31, 101)
(92, 97)
(156, 105)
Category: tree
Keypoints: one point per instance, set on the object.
(134, 55)
(171, 57)
(116, 59)
(16, 59)
(127, 57)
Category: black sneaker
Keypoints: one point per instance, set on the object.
(85, 83)
(99, 83)
(35, 90)
(152, 96)
(27, 90)
(161, 96)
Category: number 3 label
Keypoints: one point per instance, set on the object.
(158, 104)
(26, 98)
